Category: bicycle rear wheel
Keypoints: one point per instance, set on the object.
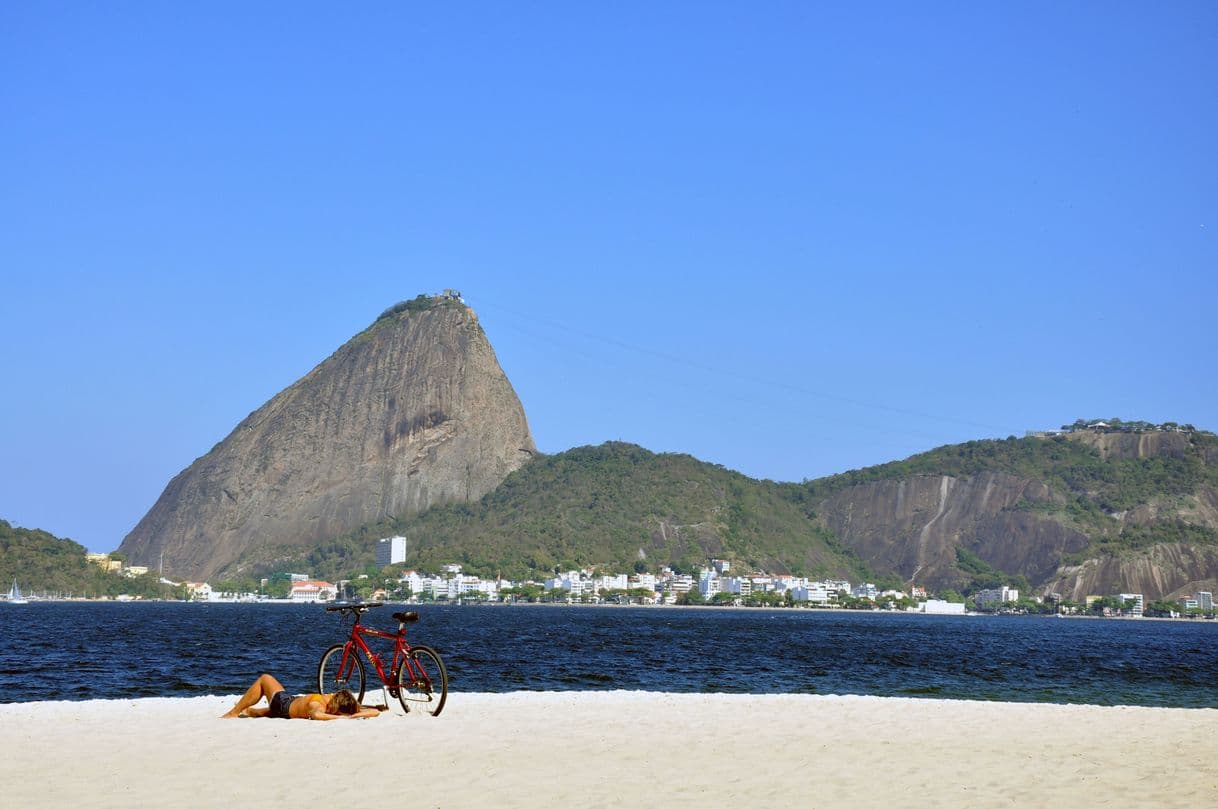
(331, 677)
(422, 681)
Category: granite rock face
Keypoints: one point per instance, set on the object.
(916, 526)
(412, 412)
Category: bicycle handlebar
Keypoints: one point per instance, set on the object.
(356, 608)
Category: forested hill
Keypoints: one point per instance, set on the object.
(43, 563)
(617, 506)
(1079, 514)
(1088, 512)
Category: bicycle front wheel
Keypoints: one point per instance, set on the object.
(422, 681)
(333, 676)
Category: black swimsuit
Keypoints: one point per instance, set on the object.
(281, 705)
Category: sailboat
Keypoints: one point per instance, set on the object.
(14, 595)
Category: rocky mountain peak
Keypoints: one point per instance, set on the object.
(413, 411)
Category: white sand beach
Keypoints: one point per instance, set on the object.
(612, 749)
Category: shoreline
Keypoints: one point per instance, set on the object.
(613, 748)
(550, 604)
(376, 696)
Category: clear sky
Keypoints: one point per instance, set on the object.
(791, 238)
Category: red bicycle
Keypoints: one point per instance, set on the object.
(416, 675)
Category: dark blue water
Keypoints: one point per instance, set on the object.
(108, 650)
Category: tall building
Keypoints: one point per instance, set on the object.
(390, 551)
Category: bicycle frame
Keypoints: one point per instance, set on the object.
(401, 655)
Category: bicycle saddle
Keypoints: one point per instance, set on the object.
(406, 617)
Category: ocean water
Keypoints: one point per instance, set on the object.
(80, 651)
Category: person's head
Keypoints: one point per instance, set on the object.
(342, 703)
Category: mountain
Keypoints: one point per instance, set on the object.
(41, 562)
(1078, 513)
(411, 413)
(617, 506)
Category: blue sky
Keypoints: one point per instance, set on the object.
(789, 238)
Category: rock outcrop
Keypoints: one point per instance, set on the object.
(1052, 528)
(914, 526)
(411, 412)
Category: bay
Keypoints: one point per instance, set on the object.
(80, 651)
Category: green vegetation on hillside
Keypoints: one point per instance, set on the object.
(615, 506)
(419, 303)
(1062, 463)
(621, 508)
(43, 563)
(1091, 486)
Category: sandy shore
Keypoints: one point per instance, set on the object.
(612, 749)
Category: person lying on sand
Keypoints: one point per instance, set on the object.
(310, 706)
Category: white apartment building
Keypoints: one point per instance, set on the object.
(709, 584)
(866, 590)
(739, 585)
(997, 595)
(412, 580)
(390, 551)
(1139, 603)
(646, 581)
(465, 585)
(815, 592)
(618, 582)
(681, 584)
(762, 584)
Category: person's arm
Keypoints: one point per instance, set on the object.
(317, 711)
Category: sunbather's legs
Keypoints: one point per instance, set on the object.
(265, 686)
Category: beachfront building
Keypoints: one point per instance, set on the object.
(312, 592)
(198, 590)
(643, 581)
(814, 592)
(571, 581)
(681, 584)
(866, 590)
(763, 584)
(739, 585)
(1205, 600)
(411, 580)
(997, 595)
(709, 583)
(1139, 603)
(838, 585)
(935, 606)
(619, 582)
(467, 586)
(390, 551)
